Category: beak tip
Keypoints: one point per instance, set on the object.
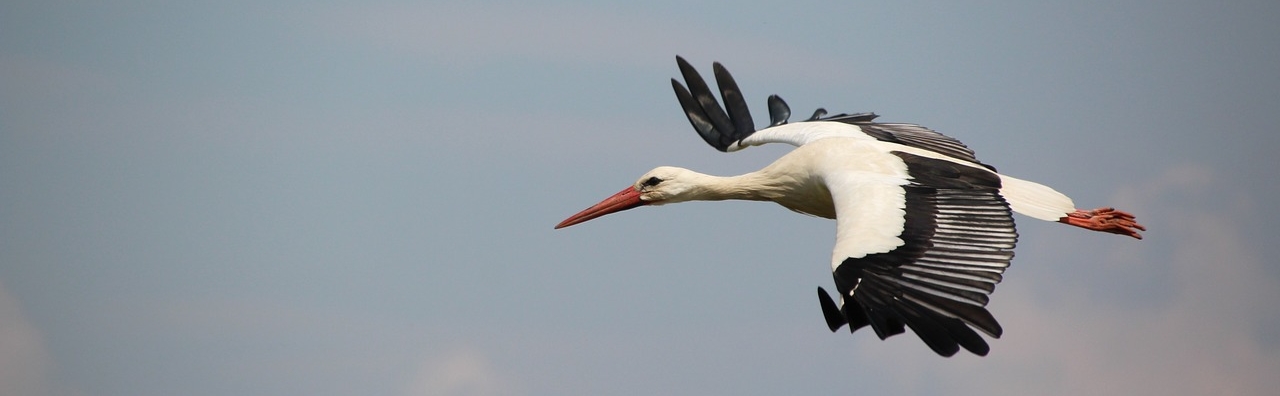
(626, 199)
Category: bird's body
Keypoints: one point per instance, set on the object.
(924, 230)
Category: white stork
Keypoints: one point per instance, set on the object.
(923, 229)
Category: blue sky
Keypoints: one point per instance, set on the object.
(358, 198)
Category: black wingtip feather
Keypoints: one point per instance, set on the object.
(883, 324)
(697, 116)
(927, 328)
(779, 112)
(831, 312)
(701, 92)
(817, 114)
(943, 334)
(717, 127)
(736, 105)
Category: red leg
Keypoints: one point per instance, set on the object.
(1105, 220)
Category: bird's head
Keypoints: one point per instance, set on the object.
(662, 185)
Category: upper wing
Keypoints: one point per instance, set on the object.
(728, 131)
(952, 238)
(920, 137)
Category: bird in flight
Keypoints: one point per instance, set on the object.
(924, 231)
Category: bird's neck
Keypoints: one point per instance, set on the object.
(755, 186)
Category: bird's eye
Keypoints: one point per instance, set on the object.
(652, 181)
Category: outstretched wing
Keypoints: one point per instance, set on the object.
(928, 265)
(729, 130)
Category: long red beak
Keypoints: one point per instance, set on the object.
(626, 199)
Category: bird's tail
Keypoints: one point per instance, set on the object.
(1044, 203)
(1035, 199)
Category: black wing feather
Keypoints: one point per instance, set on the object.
(779, 112)
(831, 311)
(717, 128)
(911, 135)
(739, 113)
(919, 137)
(697, 117)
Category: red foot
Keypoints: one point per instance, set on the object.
(1105, 220)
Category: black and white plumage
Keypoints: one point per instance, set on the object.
(924, 231)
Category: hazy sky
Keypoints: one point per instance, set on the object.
(318, 198)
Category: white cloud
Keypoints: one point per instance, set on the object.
(24, 363)
(461, 372)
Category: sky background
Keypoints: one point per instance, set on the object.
(330, 198)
